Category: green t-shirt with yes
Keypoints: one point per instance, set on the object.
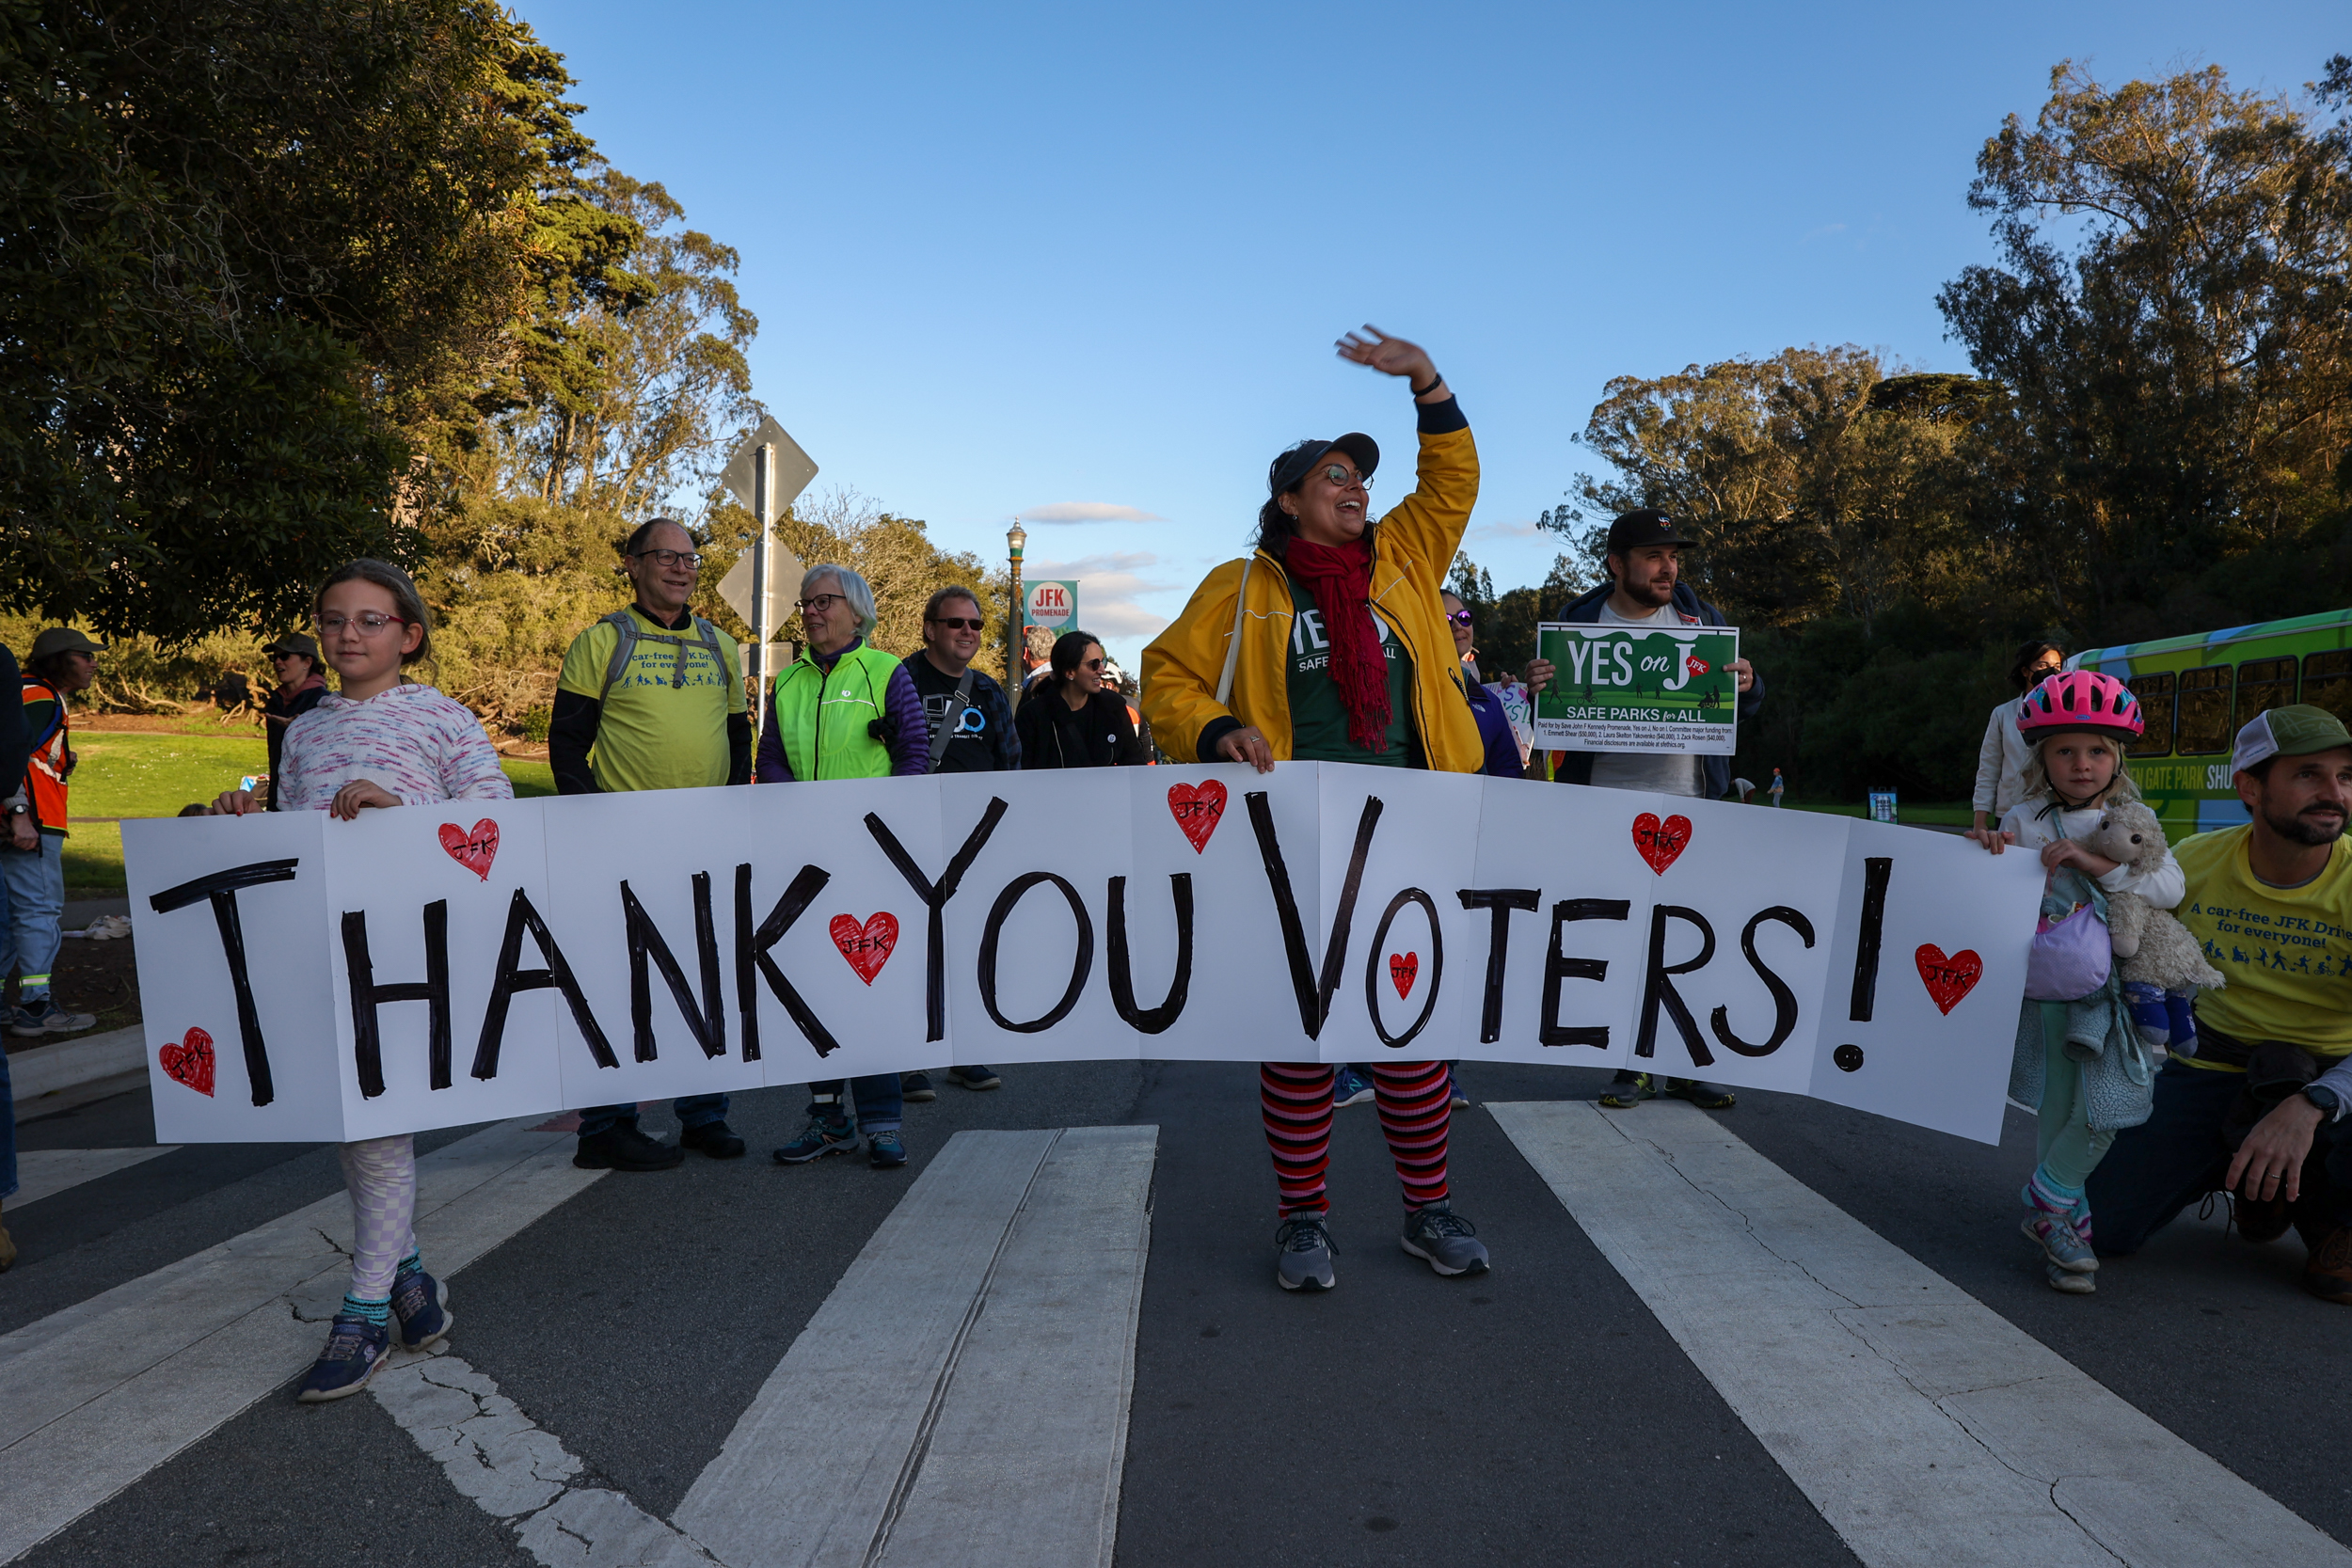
(1318, 718)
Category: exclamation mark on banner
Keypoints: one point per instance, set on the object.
(1876, 870)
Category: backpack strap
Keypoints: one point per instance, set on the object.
(1232, 648)
(951, 716)
(624, 644)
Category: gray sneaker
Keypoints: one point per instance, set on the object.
(1446, 1241)
(1305, 1250)
(43, 1016)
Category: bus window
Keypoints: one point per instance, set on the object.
(2156, 699)
(2327, 682)
(2205, 720)
(2264, 684)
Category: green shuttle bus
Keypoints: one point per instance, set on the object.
(2199, 690)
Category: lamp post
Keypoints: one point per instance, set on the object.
(1014, 540)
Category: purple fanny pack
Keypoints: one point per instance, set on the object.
(2070, 957)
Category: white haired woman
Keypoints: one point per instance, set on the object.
(845, 710)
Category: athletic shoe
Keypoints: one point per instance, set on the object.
(1628, 1088)
(354, 1349)
(974, 1077)
(885, 1151)
(421, 1303)
(1445, 1239)
(43, 1016)
(625, 1147)
(1707, 1097)
(1303, 1249)
(824, 1135)
(714, 1138)
(1350, 1087)
(1454, 1090)
(2069, 1284)
(2329, 1274)
(915, 1088)
(2060, 1241)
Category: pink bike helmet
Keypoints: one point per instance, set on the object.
(2081, 701)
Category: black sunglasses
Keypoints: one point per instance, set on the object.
(957, 623)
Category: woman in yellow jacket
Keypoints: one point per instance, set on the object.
(1338, 650)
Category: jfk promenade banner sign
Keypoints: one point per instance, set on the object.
(309, 980)
(1626, 688)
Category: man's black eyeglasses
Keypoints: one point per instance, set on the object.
(671, 558)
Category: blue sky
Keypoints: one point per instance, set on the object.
(1014, 257)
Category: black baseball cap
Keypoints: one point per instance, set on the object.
(1296, 461)
(1645, 527)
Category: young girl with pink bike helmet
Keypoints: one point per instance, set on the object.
(2079, 723)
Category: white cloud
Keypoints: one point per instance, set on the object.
(1089, 512)
(1107, 588)
(1504, 530)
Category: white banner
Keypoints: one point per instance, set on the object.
(431, 966)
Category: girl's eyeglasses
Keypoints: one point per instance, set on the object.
(367, 622)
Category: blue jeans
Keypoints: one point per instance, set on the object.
(693, 1110)
(29, 938)
(881, 1105)
(2173, 1159)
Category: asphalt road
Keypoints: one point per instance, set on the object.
(1538, 1413)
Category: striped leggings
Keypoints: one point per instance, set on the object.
(1416, 1109)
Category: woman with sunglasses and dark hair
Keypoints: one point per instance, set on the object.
(2001, 760)
(1071, 719)
(1328, 645)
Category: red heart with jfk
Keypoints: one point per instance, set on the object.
(474, 850)
(1403, 969)
(1695, 665)
(1198, 808)
(868, 946)
(190, 1061)
(1949, 979)
(1660, 843)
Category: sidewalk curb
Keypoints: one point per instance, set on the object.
(35, 1070)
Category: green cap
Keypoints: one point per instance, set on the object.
(63, 639)
(2295, 731)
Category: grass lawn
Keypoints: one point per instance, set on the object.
(129, 774)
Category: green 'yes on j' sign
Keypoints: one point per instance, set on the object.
(1635, 689)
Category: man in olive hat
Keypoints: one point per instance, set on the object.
(2259, 1109)
(300, 688)
(32, 869)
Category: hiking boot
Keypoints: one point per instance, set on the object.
(1303, 1249)
(354, 1349)
(1350, 1087)
(1707, 1097)
(974, 1077)
(2069, 1284)
(714, 1138)
(421, 1303)
(915, 1088)
(824, 1135)
(1444, 1240)
(625, 1147)
(43, 1016)
(885, 1150)
(2259, 1219)
(2329, 1274)
(1628, 1088)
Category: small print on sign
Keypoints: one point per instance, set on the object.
(868, 946)
(1197, 808)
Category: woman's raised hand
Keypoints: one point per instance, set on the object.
(1386, 355)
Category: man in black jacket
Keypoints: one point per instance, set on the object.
(1644, 588)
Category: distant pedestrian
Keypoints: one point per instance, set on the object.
(1071, 720)
(382, 741)
(62, 662)
(2001, 760)
(846, 710)
(300, 687)
(651, 697)
(1745, 789)
(971, 732)
(1778, 787)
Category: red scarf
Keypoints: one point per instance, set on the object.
(1339, 577)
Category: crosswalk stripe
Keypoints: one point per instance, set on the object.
(95, 1395)
(47, 1172)
(1925, 1428)
(985, 1340)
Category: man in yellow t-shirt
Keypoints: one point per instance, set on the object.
(2259, 1110)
